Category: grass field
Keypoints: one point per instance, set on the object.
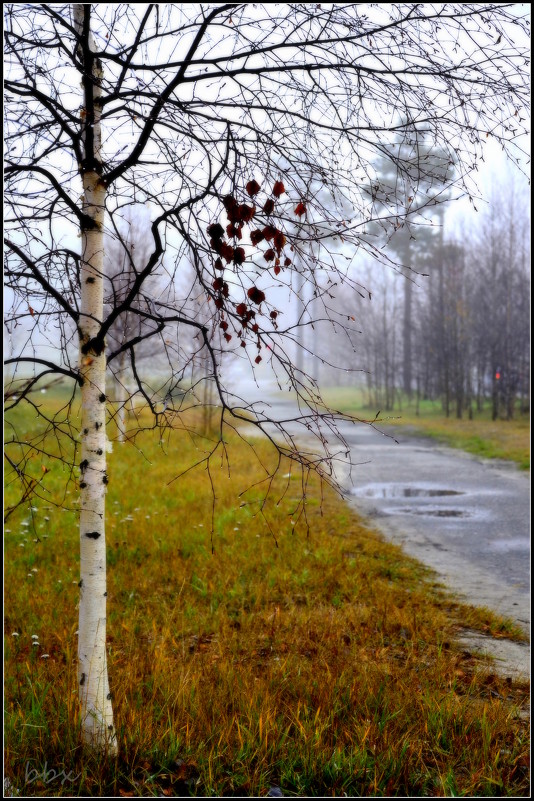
(482, 436)
(303, 652)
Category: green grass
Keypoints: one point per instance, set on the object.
(482, 436)
(310, 655)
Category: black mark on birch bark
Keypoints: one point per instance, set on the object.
(93, 535)
(82, 680)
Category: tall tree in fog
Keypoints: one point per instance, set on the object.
(189, 109)
(126, 250)
(412, 177)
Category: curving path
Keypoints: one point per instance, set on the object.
(467, 518)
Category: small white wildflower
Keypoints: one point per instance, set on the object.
(35, 569)
(15, 634)
(21, 545)
(30, 575)
(45, 656)
(35, 642)
(47, 518)
(35, 636)
(35, 509)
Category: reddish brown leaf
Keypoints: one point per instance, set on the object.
(300, 209)
(269, 207)
(228, 337)
(257, 359)
(218, 283)
(241, 309)
(268, 232)
(223, 324)
(219, 265)
(239, 256)
(256, 236)
(277, 269)
(232, 208)
(252, 188)
(279, 241)
(287, 262)
(246, 213)
(215, 230)
(269, 255)
(278, 188)
(233, 230)
(273, 315)
(256, 295)
(229, 202)
(227, 252)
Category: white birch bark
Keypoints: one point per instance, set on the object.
(96, 710)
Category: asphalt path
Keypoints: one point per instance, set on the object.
(465, 517)
(468, 518)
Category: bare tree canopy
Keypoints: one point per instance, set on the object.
(251, 133)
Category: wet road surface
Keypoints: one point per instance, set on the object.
(467, 518)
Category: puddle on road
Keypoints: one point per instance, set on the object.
(401, 491)
(416, 491)
(429, 512)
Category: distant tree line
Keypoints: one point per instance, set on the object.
(467, 324)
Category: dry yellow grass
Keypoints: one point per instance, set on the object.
(324, 664)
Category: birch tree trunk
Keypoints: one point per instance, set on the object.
(96, 710)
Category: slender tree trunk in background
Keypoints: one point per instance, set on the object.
(121, 397)
(96, 711)
(407, 335)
